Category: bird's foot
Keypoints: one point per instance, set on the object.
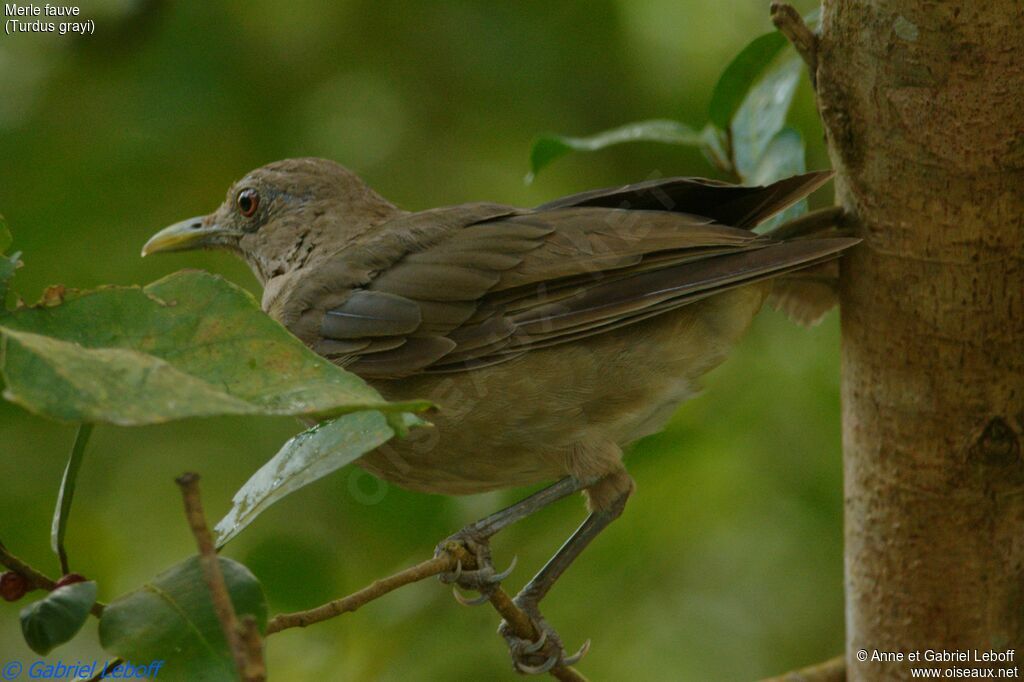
(542, 654)
(483, 578)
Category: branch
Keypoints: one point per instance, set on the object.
(791, 24)
(36, 579)
(832, 670)
(374, 590)
(214, 578)
(256, 668)
(520, 623)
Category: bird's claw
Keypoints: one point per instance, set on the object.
(534, 647)
(541, 655)
(536, 669)
(471, 601)
(498, 577)
(558, 658)
(578, 656)
(483, 578)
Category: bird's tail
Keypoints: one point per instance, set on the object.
(806, 295)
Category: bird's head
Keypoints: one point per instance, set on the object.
(279, 215)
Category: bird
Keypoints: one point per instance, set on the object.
(550, 338)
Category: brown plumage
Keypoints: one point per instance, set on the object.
(549, 338)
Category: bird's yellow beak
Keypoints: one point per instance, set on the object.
(185, 236)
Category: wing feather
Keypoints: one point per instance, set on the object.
(725, 203)
(371, 313)
(611, 305)
(454, 289)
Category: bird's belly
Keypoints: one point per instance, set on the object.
(517, 423)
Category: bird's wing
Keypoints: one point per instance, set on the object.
(494, 284)
(736, 205)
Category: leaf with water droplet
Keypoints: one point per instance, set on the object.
(308, 457)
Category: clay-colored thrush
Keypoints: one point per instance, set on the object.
(550, 337)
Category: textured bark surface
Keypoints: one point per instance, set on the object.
(923, 103)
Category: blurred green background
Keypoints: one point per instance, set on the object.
(727, 564)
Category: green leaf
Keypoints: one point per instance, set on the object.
(547, 148)
(715, 148)
(308, 457)
(66, 494)
(763, 114)
(58, 617)
(740, 75)
(172, 618)
(189, 345)
(783, 158)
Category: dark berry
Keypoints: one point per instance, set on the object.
(70, 579)
(13, 586)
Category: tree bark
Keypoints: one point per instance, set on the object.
(923, 105)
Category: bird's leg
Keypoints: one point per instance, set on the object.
(476, 538)
(547, 652)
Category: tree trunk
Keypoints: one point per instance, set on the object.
(923, 105)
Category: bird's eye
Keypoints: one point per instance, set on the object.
(248, 201)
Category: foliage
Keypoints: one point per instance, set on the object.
(171, 618)
(66, 494)
(548, 148)
(739, 77)
(189, 345)
(307, 457)
(745, 136)
(58, 616)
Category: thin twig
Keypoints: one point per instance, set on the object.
(256, 669)
(374, 590)
(791, 24)
(37, 580)
(212, 575)
(832, 670)
(455, 553)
